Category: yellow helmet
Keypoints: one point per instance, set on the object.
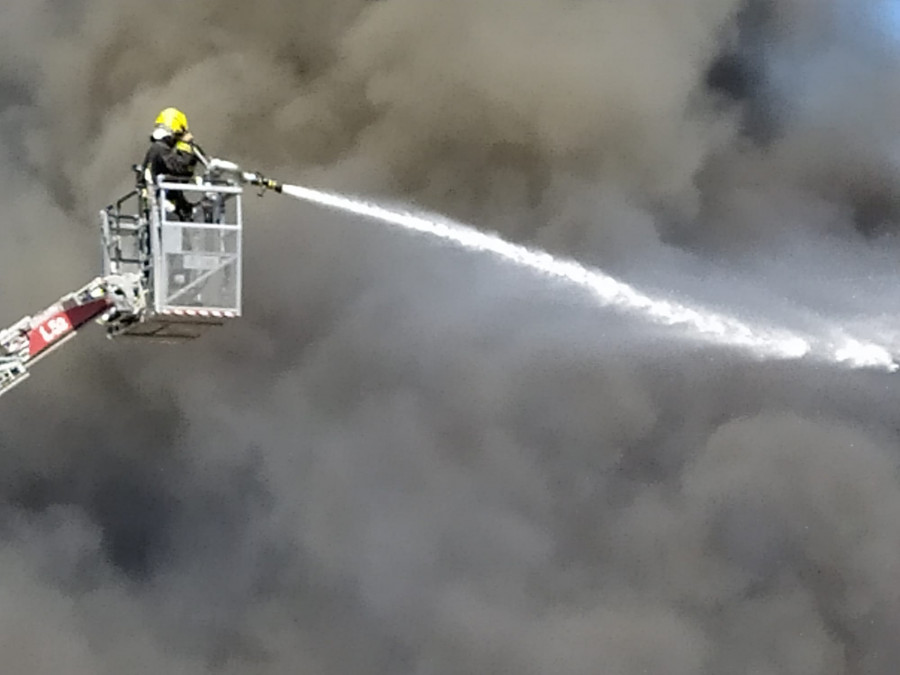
(172, 120)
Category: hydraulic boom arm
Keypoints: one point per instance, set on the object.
(110, 300)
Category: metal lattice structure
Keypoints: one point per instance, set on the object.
(190, 270)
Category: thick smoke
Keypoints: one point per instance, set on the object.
(408, 459)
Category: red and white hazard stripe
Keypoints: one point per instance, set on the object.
(203, 313)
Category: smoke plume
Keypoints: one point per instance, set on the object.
(406, 458)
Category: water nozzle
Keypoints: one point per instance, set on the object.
(255, 178)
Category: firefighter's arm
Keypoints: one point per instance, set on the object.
(181, 161)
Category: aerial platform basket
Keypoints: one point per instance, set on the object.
(169, 272)
(189, 270)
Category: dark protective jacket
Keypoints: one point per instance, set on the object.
(164, 158)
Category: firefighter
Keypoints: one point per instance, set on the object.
(171, 154)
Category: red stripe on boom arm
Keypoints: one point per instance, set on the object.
(56, 326)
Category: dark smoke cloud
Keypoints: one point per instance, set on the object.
(410, 459)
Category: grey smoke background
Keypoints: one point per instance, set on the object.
(406, 459)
